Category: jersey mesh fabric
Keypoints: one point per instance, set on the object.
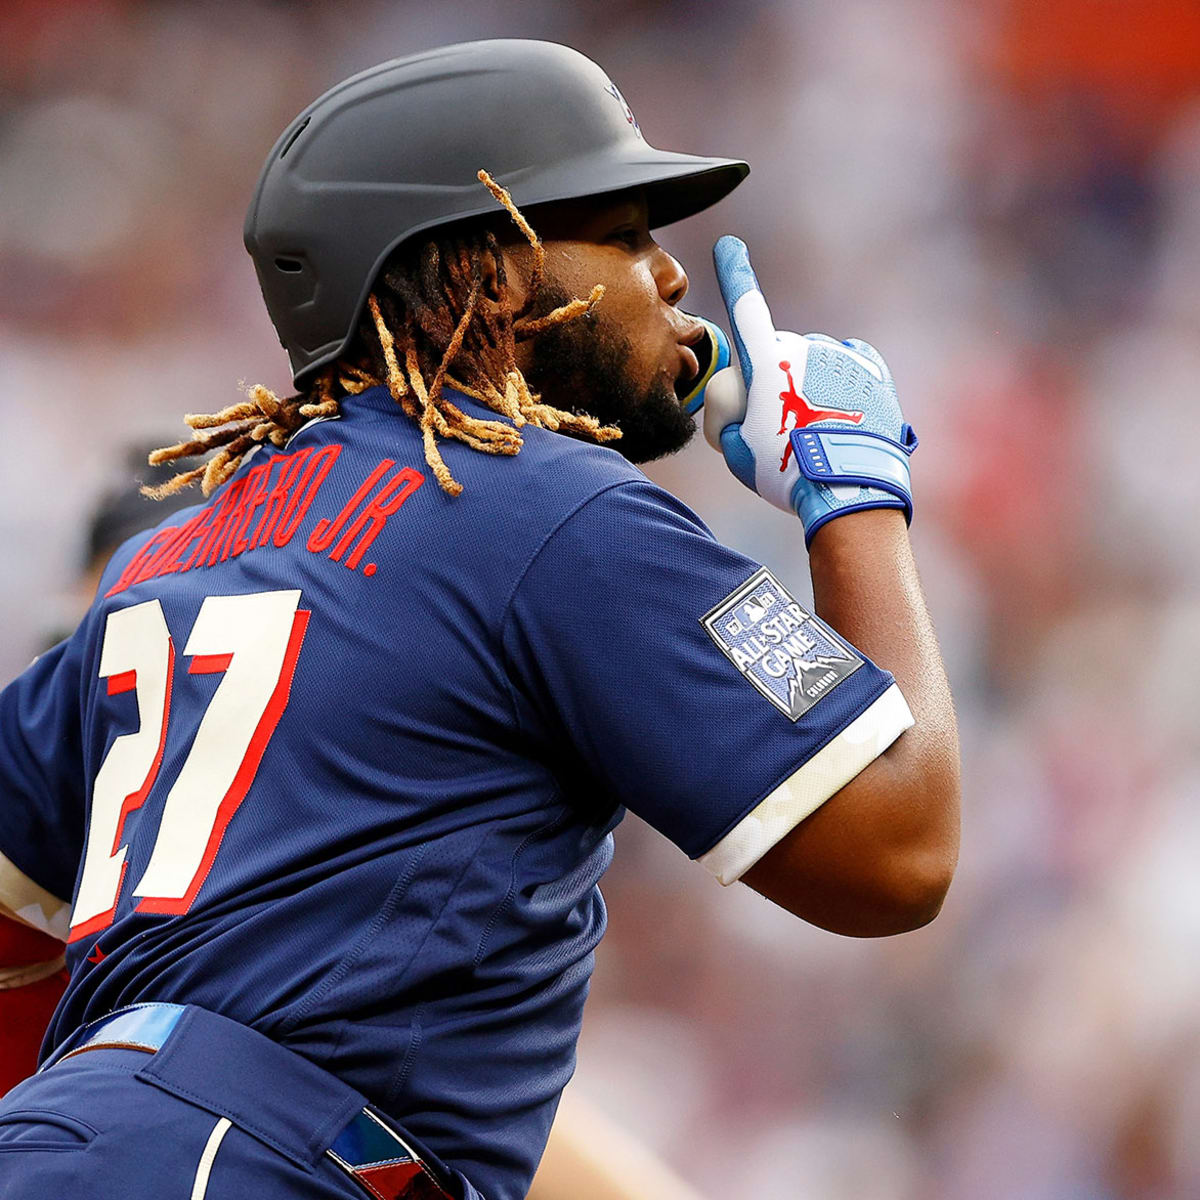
(407, 894)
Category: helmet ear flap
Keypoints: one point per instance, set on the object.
(294, 278)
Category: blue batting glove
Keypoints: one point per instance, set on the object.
(811, 424)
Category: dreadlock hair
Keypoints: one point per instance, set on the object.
(424, 329)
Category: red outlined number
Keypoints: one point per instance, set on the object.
(253, 641)
(137, 656)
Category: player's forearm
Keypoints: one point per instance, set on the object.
(865, 585)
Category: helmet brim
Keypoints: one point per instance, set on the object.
(676, 186)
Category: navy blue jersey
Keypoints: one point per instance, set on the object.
(338, 756)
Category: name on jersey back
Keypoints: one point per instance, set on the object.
(266, 508)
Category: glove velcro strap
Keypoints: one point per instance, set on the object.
(838, 457)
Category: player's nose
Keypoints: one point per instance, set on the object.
(669, 276)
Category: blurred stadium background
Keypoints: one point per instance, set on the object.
(1004, 197)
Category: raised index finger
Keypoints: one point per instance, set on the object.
(749, 316)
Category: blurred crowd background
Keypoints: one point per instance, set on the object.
(1005, 198)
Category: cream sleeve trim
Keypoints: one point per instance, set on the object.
(802, 793)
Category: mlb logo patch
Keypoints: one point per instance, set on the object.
(629, 117)
(790, 656)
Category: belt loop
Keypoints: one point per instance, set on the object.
(262, 1087)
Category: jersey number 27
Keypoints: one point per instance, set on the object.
(254, 640)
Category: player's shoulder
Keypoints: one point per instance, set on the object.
(569, 468)
(537, 488)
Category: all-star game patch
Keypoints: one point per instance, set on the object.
(789, 655)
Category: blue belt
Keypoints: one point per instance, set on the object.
(367, 1148)
(140, 1027)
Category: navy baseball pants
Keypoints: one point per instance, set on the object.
(165, 1101)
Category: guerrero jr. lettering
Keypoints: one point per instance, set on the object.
(803, 414)
(267, 507)
(370, 520)
(789, 655)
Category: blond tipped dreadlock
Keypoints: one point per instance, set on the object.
(424, 330)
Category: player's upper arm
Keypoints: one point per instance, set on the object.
(690, 683)
(849, 868)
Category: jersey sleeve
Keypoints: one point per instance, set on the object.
(41, 789)
(696, 690)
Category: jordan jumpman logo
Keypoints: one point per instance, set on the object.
(806, 414)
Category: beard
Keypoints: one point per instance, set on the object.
(583, 366)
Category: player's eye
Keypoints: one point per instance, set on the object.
(630, 236)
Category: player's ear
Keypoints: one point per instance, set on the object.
(515, 274)
(490, 286)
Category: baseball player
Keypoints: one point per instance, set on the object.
(318, 794)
